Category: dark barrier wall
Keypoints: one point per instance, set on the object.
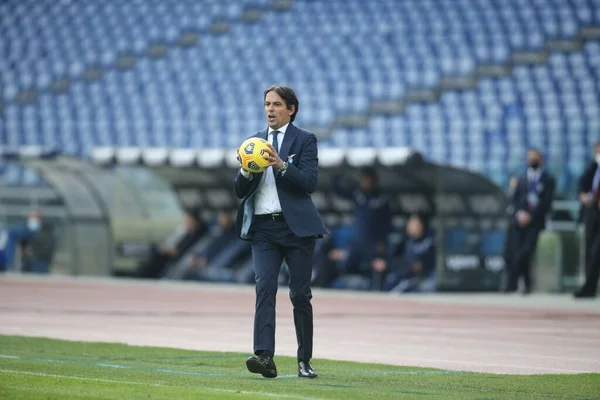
(137, 198)
(468, 210)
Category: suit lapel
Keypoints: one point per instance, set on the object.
(290, 136)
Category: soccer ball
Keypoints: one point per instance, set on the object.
(252, 154)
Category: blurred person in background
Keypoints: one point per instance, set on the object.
(38, 250)
(372, 223)
(15, 236)
(219, 245)
(160, 256)
(325, 262)
(589, 196)
(412, 262)
(531, 204)
(508, 244)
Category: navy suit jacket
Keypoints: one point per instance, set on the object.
(294, 187)
(545, 192)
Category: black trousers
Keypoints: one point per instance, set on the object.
(272, 242)
(592, 249)
(522, 248)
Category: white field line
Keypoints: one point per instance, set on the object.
(218, 390)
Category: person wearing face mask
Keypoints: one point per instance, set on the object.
(531, 204)
(17, 235)
(38, 251)
(589, 196)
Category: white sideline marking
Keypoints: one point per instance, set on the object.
(210, 389)
(11, 371)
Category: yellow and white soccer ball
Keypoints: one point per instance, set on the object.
(252, 154)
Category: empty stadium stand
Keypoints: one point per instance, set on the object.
(471, 84)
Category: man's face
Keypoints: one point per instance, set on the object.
(597, 153)
(276, 110)
(534, 160)
(415, 228)
(367, 183)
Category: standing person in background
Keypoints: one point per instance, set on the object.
(531, 204)
(589, 196)
(373, 222)
(279, 218)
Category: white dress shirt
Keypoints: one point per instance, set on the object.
(266, 199)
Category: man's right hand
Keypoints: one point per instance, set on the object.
(584, 199)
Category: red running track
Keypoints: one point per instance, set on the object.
(481, 333)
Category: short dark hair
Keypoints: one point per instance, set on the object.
(288, 95)
(369, 172)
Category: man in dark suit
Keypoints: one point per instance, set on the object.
(589, 196)
(279, 218)
(531, 204)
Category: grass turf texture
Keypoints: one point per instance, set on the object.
(34, 368)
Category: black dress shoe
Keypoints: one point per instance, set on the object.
(305, 370)
(262, 365)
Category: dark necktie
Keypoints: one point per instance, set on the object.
(276, 145)
(275, 140)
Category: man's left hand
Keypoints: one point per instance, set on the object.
(273, 157)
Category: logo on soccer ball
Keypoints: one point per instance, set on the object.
(249, 149)
(253, 166)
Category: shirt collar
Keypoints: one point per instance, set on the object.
(282, 129)
(534, 174)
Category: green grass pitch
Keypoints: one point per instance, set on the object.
(34, 368)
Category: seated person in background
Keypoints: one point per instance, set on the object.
(215, 260)
(413, 262)
(160, 256)
(38, 251)
(325, 262)
(17, 235)
(372, 226)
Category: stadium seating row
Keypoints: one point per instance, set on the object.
(342, 56)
